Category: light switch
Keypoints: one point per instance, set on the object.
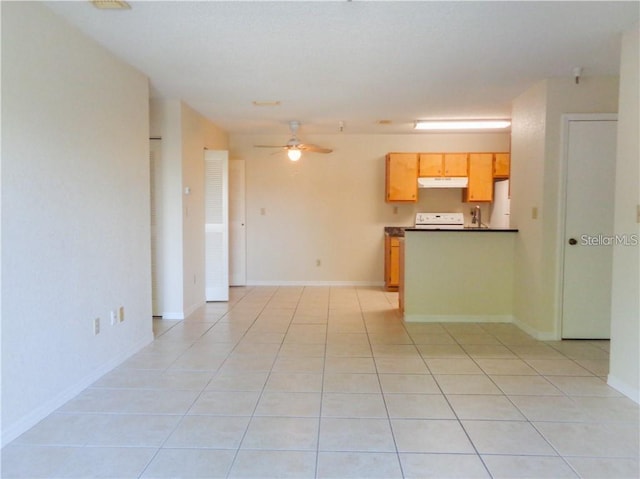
(534, 213)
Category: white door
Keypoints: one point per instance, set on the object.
(237, 221)
(590, 156)
(216, 225)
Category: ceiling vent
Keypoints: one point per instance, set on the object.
(110, 5)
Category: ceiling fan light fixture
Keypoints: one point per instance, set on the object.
(294, 154)
(462, 124)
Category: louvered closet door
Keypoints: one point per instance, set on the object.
(216, 225)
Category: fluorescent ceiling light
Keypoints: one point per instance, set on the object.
(462, 125)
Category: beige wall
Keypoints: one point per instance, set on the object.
(185, 134)
(536, 172)
(624, 370)
(165, 120)
(198, 133)
(331, 207)
(75, 213)
(527, 179)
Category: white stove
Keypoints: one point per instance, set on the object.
(437, 221)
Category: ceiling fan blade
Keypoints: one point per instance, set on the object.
(269, 146)
(314, 148)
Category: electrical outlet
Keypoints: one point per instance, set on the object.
(96, 326)
(318, 262)
(121, 314)
(395, 210)
(534, 213)
(114, 317)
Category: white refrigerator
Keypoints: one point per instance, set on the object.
(500, 207)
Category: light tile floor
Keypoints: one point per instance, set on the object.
(330, 383)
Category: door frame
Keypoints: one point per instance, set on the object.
(237, 252)
(562, 203)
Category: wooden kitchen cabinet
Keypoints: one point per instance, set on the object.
(401, 277)
(401, 177)
(455, 164)
(431, 164)
(443, 164)
(480, 187)
(391, 262)
(501, 165)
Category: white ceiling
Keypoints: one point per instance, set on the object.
(357, 62)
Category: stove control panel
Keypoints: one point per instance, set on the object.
(444, 219)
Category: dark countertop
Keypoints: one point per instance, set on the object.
(395, 230)
(466, 230)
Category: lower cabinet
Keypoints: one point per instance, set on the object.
(401, 277)
(391, 262)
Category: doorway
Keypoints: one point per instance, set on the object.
(155, 187)
(237, 224)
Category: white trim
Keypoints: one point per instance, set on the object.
(178, 315)
(540, 336)
(458, 318)
(315, 283)
(562, 204)
(624, 388)
(35, 416)
(192, 309)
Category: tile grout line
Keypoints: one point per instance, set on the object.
(455, 413)
(384, 399)
(324, 368)
(244, 435)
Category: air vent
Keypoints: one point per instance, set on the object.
(266, 103)
(110, 5)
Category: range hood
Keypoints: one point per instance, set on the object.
(443, 182)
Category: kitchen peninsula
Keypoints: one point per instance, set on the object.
(457, 275)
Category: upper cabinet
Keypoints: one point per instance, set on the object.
(501, 165)
(480, 178)
(404, 169)
(443, 164)
(401, 177)
(431, 164)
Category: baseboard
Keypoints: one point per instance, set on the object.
(191, 309)
(540, 336)
(624, 388)
(178, 315)
(316, 283)
(458, 318)
(38, 414)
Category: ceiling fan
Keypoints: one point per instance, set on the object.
(294, 147)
